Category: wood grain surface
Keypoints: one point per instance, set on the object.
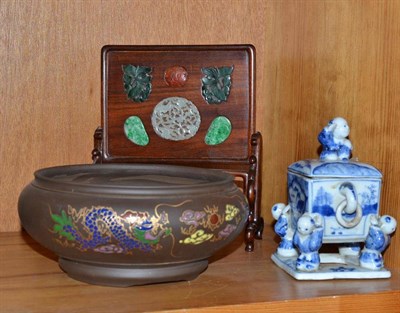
(316, 60)
(235, 281)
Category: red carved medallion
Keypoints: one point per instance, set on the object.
(175, 76)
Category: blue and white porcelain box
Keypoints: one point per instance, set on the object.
(344, 193)
(332, 200)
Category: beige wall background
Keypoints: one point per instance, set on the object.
(316, 60)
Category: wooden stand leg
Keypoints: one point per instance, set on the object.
(255, 225)
(97, 143)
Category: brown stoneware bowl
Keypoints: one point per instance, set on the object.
(132, 224)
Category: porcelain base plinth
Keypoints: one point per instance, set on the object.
(125, 276)
(331, 267)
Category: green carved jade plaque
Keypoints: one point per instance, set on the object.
(137, 82)
(216, 83)
(219, 131)
(135, 131)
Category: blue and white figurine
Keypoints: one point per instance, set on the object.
(332, 200)
(284, 229)
(333, 138)
(377, 241)
(308, 239)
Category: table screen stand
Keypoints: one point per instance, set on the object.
(184, 105)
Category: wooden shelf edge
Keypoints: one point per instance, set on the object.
(236, 281)
(358, 303)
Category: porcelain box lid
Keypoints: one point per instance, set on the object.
(321, 168)
(335, 159)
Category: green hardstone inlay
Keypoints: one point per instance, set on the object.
(216, 83)
(137, 82)
(219, 131)
(135, 131)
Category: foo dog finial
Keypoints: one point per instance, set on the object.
(335, 145)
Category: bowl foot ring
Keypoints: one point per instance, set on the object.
(125, 276)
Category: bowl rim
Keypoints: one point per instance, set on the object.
(209, 180)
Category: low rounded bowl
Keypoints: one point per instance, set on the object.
(132, 224)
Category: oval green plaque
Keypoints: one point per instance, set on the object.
(219, 131)
(135, 131)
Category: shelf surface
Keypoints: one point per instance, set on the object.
(31, 281)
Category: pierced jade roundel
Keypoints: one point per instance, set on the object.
(175, 118)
